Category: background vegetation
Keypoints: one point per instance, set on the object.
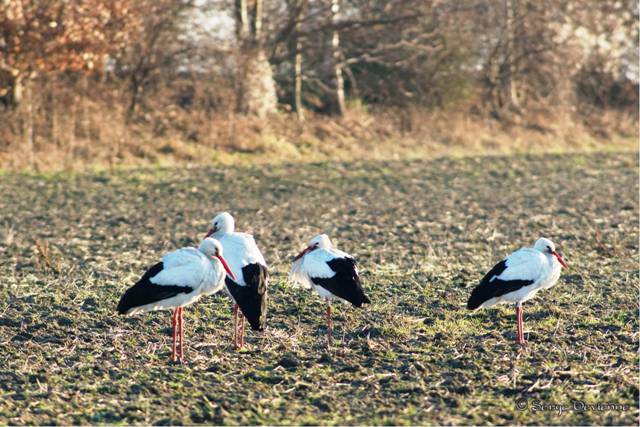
(101, 83)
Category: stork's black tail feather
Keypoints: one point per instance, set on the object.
(252, 298)
(479, 295)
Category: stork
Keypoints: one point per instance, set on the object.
(180, 279)
(331, 272)
(518, 278)
(248, 288)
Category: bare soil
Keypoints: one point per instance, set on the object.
(424, 233)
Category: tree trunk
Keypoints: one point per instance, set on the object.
(337, 103)
(512, 92)
(29, 137)
(255, 90)
(242, 21)
(297, 92)
(10, 87)
(257, 23)
(84, 120)
(53, 110)
(296, 48)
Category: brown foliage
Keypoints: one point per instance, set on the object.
(54, 35)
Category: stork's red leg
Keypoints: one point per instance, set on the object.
(520, 339)
(174, 316)
(329, 324)
(235, 326)
(242, 333)
(518, 323)
(181, 320)
(521, 326)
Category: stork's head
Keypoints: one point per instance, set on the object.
(212, 248)
(321, 241)
(221, 223)
(546, 246)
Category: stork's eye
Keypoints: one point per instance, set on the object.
(549, 249)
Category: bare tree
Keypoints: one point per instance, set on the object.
(158, 46)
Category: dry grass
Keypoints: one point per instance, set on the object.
(80, 133)
(424, 232)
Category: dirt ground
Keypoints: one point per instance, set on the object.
(424, 233)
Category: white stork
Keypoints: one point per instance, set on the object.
(180, 279)
(518, 278)
(249, 286)
(331, 272)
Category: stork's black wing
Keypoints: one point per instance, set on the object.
(491, 286)
(345, 283)
(252, 298)
(144, 292)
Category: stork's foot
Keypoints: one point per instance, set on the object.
(329, 337)
(178, 361)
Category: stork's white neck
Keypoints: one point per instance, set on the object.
(225, 229)
(553, 261)
(325, 244)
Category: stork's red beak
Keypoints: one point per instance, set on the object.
(226, 267)
(560, 260)
(210, 232)
(303, 253)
